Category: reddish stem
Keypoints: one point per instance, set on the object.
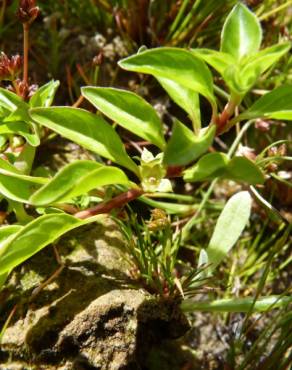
(106, 207)
(25, 52)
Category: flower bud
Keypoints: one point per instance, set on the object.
(27, 11)
(9, 67)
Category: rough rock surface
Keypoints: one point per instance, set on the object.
(91, 316)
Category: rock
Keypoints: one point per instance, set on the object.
(92, 316)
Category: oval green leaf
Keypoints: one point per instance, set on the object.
(257, 64)
(76, 179)
(128, 110)
(216, 59)
(208, 167)
(35, 236)
(23, 129)
(86, 129)
(243, 170)
(174, 64)
(241, 34)
(184, 97)
(229, 227)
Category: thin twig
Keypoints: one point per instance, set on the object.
(106, 207)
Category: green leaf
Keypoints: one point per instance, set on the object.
(217, 59)
(20, 128)
(16, 186)
(184, 146)
(76, 179)
(186, 98)
(45, 95)
(174, 64)
(241, 34)
(276, 104)
(257, 64)
(10, 101)
(6, 234)
(229, 227)
(128, 110)
(214, 165)
(6, 231)
(242, 169)
(208, 167)
(246, 304)
(86, 129)
(17, 121)
(35, 236)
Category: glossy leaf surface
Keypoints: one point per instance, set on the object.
(86, 129)
(276, 104)
(16, 186)
(128, 110)
(76, 179)
(184, 97)
(44, 96)
(184, 146)
(241, 34)
(35, 236)
(174, 64)
(208, 167)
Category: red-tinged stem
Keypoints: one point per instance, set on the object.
(227, 113)
(106, 207)
(174, 171)
(25, 52)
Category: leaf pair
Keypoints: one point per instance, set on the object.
(214, 165)
(136, 115)
(239, 60)
(180, 73)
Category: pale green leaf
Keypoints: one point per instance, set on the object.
(257, 64)
(21, 128)
(216, 59)
(229, 227)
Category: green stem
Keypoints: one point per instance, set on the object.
(178, 18)
(188, 227)
(276, 10)
(20, 212)
(237, 304)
